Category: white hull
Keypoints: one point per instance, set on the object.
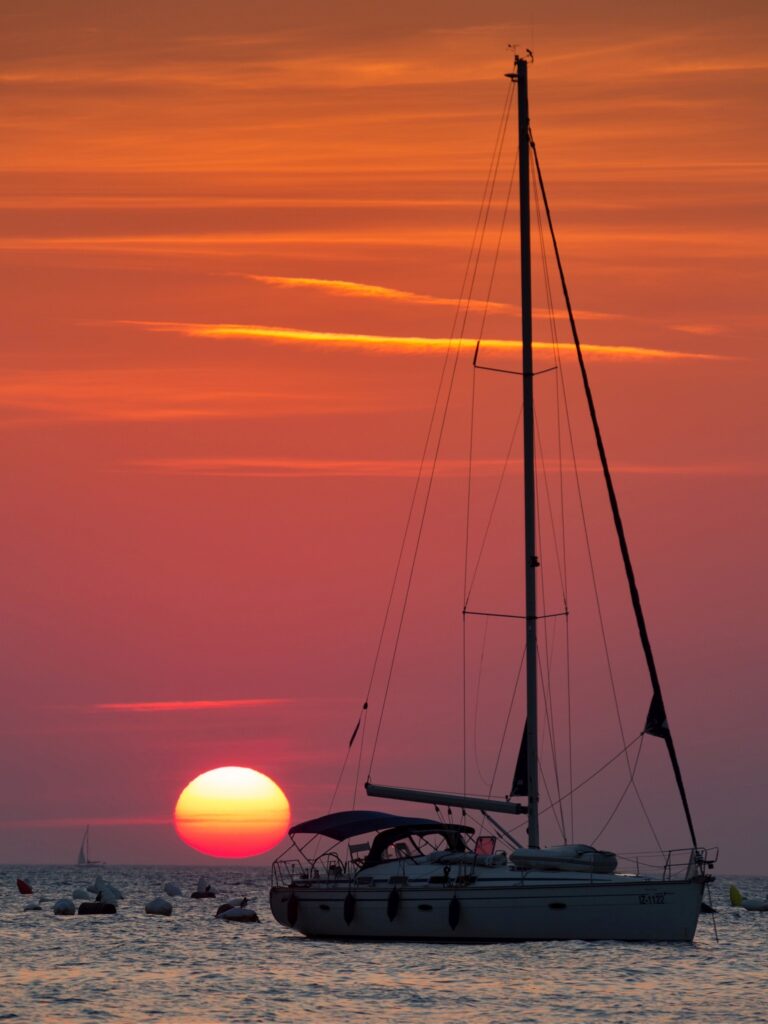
(620, 908)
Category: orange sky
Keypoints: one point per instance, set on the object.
(233, 237)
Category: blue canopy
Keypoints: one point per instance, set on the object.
(346, 824)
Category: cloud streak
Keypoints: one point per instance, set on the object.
(81, 822)
(409, 468)
(357, 289)
(119, 395)
(154, 706)
(397, 343)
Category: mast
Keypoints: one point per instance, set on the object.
(531, 559)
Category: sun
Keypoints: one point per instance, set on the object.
(232, 812)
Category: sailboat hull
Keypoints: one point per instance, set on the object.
(621, 909)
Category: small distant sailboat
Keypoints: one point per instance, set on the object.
(83, 857)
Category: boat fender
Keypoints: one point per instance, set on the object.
(393, 903)
(349, 908)
(454, 912)
(64, 908)
(292, 910)
(171, 889)
(32, 905)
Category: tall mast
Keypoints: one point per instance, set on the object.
(531, 559)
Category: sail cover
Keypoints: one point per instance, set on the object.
(346, 824)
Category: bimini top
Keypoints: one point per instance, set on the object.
(346, 824)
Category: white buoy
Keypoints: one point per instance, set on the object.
(160, 906)
(108, 895)
(171, 889)
(33, 905)
(101, 885)
(64, 907)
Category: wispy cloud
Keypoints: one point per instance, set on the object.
(409, 468)
(124, 394)
(193, 705)
(235, 243)
(357, 289)
(81, 822)
(700, 244)
(394, 343)
(276, 467)
(701, 329)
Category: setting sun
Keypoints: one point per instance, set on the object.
(232, 812)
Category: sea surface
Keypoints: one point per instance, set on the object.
(194, 969)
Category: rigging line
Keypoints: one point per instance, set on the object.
(589, 778)
(473, 255)
(570, 720)
(360, 750)
(487, 196)
(493, 505)
(548, 643)
(595, 589)
(343, 769)
(557, 361)
(593, 574)
(506, 721)
(487, 214)
(623, 793)
(481, 333)
(477, 703)
(431, 477)
(420, 530)
(552, 803)
(549, 718)
(494, 265)
(550, 507)
(662, 728)
(464, 626)
(559, 398)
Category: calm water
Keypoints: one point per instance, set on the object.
(194, 969)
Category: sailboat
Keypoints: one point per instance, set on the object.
(83, 856)
(435, 879)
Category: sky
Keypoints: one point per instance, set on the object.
(233, 240)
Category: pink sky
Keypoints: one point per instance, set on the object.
(233, 237)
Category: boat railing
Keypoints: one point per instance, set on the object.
(328, 866)
(684, 862)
